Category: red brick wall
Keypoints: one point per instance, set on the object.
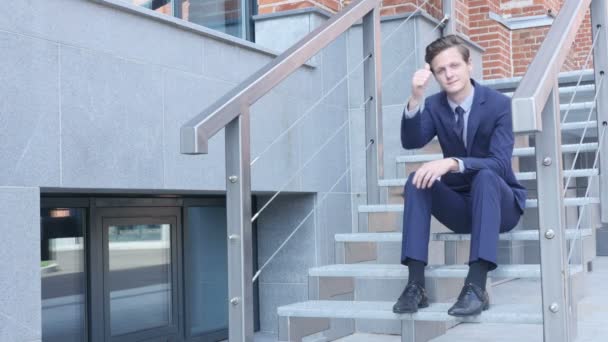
(492, 36)
(462, 17)
(507, 53)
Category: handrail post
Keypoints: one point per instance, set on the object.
(372, 83)
(449, 9)
(599, 21)
(238, 210)
(554, 265)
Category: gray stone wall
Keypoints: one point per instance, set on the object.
(20, 303)
(94, 96)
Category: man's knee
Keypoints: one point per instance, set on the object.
(485, 177)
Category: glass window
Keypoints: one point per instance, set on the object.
(229, 16)
(139, 279)
(220, 15)
(162, 6)
(206, 254)
(62, 267)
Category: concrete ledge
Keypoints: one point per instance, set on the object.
(309, 10)
(522, 23)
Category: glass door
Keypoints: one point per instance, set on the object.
(140, 273)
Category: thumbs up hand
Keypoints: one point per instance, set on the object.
(420, 81)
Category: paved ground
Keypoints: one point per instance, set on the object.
(592, 325)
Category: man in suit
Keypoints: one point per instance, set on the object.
(473, 188)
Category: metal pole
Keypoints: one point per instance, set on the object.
(372, 83)
(238, 209)
(599, 15)
(551, 218)
(449, 9)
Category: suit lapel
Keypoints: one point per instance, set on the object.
(475, 115)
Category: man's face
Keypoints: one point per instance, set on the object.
(451, 71)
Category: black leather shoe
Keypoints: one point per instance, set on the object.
(471, 301)
(412, 298)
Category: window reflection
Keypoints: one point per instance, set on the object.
(207, 255)
(62, 273)
(221, 15)
(161, 6)
(140, 277)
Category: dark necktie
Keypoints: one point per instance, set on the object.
(459, 124)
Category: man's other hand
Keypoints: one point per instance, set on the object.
(430, 172)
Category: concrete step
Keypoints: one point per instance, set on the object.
(520, 235)
(397, 271)
(517, 152)
(499, 313)
(519, 175)
(530, 203)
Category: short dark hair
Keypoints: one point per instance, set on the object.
(444, 43)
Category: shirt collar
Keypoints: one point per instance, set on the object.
(466, 104)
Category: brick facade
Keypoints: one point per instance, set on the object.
(507, 52)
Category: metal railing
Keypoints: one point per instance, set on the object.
(232, 112)
(536, 110)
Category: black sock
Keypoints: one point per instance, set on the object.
(478, 273)
(416, 271)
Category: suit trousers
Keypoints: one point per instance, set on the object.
(487, 209)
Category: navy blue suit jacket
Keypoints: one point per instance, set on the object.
(490, 137)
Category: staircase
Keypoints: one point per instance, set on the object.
(357, 294)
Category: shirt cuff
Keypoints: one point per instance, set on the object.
(411, 113)
(460, 165)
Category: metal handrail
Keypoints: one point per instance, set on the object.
(536, 109)
(232, 112)
(538, 82)
(196, 133)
